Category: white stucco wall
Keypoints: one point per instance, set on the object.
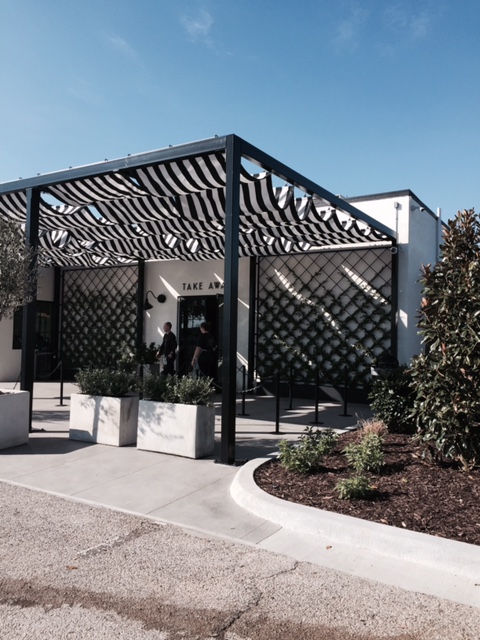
(417, 232)
(178, 278)
(9, 358)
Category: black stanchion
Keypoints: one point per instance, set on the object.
(317, 387)
(277, 403)
(290, 389)
(345, 392)
(61, 383)
(244, 391)
(141, 374)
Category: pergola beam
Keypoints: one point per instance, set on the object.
(235, 149)
(268, 163)
(136, 161)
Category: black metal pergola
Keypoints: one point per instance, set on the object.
(190, 202)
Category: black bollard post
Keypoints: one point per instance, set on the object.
(345, 392)
(61, 383)
(290, 389)
(317, 387)
(244, 391)
(277, 403)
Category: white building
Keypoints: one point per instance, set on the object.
(418, 240)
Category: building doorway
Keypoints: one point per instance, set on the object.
(192, 311)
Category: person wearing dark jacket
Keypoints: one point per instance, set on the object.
(168, 349)
(204, 355)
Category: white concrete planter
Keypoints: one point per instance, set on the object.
(14, 418)
(180, 429)
(103, 419)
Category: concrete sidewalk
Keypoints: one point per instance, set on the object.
(196, 494)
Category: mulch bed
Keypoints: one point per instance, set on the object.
(410, 492)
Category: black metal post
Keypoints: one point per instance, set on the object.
(140, 299)
(317, 387)
(229, 368)
(61, 383)
(60, 332)
(29, 310)
(345, 392)
(57, 293)
(244, 390)
(290, 389)
(277, 403)
(252, 321)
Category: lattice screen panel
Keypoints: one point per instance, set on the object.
(99, 315)
(328, 310)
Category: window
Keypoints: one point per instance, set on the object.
(43, 327)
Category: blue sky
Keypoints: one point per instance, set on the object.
(361, 96)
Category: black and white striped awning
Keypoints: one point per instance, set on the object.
(166, 209)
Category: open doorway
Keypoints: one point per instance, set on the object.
(192, 311)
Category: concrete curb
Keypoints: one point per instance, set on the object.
(451, 556)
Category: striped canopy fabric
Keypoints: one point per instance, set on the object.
(175, 209)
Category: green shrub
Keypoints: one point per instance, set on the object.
(391, 399)
(105, 382)
(127, 360)
(185, 390)
(195, 390)
(147, 353)
(357, 486)
(447, 376)
(160, 388)
(131, 357)
(448, 417)
(306, 456)
(373, 425)
(366, 455)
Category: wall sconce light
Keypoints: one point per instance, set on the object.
(160, 298)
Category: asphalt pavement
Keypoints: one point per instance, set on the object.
(97, 541)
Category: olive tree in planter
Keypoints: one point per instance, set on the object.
(18, 281)
(106, 409)
(177, 416)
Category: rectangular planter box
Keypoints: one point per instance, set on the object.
(14, 418)
(180, 429)
(103, 419)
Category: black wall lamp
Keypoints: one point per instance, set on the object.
(160, 298)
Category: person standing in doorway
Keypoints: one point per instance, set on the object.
(203, 357)
(168, 349)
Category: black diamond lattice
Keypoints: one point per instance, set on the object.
(325, 310)
(99, 315)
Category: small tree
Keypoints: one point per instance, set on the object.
(446, 378)
(18, 269)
